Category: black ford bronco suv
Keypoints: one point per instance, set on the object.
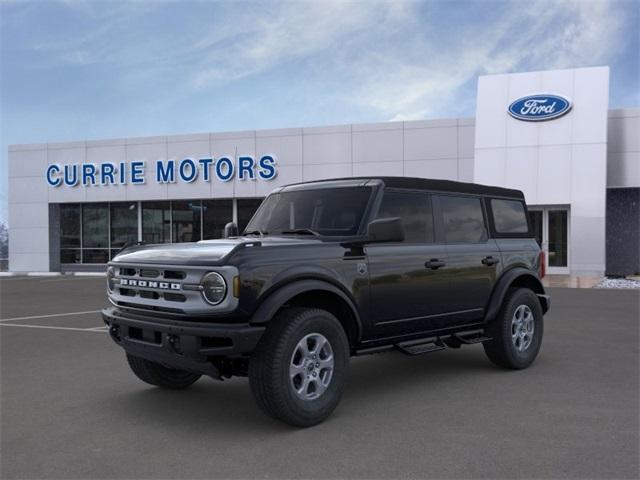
(330, 269)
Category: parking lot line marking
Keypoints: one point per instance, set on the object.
(51, 328)
(34, 317)
(64, 279)
(96, 329)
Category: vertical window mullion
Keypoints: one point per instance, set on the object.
(234, 213)
(109, 230)
(139, 221)
(81, 233)
(201, 220)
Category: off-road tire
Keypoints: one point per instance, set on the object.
(501, 349)
(269, 366)
(159, 375)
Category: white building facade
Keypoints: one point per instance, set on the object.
(73, 205)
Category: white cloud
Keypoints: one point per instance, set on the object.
(390, 57)
(539, 35)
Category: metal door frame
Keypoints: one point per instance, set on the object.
(545, 237)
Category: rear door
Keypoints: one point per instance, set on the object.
(408, 283)
(473, 258)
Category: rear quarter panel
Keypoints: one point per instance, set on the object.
(518, 252)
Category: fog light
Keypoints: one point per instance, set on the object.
(214, 288)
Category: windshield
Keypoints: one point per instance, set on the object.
(322, 211)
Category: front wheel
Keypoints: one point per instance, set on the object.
(297, 373)
(517, 330)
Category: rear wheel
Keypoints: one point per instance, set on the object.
(159, 375)
(297, 373)
(517, 330)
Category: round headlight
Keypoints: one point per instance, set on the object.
(111, 272)
(214, 288)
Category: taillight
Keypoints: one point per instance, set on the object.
(542, 264)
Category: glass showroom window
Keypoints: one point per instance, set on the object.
(186, 222)
(70, 240)
(156, 222)
(95, 233)
(246, 209)
(216, 214)
(124, 225)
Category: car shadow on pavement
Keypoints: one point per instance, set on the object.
(231, 404)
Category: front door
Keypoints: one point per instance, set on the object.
(408, 282)
(551, 229)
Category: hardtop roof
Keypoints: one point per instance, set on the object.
(415, 183)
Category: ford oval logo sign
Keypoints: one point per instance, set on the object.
(536, 108)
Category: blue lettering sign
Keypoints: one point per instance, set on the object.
(165, 174)
(245, 168)
(51, 180)
(88, 174)
(188, 170)
(166, 171)
(206, 168)
(137, 173)
(106, 173)
(71, 175)
(267, 167)
(224, 164)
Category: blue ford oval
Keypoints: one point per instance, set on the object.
(536, 108)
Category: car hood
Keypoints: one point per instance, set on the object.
(205, 252)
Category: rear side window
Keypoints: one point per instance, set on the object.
(463, 219)
(415, 211)
(509, 216)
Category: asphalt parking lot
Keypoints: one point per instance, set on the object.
(72, 409)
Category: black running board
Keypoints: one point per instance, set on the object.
(420, 346)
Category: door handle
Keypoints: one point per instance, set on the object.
(489, 261)
(434, 264)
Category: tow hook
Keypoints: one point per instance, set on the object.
(114, 331)
(174, 343)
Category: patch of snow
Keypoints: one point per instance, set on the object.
(618, 283)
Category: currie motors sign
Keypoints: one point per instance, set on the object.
(187, 170)
(540, 107)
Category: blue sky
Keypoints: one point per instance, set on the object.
(75, 70)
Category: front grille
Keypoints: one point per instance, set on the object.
(152, 273)
(149, 273)
(174, 297)
(168, 288)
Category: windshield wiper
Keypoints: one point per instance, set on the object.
(256, 232)
(301, 231)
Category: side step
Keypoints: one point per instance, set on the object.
(470, 338)
(421, 348)
(418, 347)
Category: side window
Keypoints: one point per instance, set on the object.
(509, 216)
(463, 219)
(415, 211)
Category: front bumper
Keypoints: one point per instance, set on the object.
(178, 344)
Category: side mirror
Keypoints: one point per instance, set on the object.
(230, 230)
(385, 230)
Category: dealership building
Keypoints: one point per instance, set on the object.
(551, 134)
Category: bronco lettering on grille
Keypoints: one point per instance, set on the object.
(127, 282)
